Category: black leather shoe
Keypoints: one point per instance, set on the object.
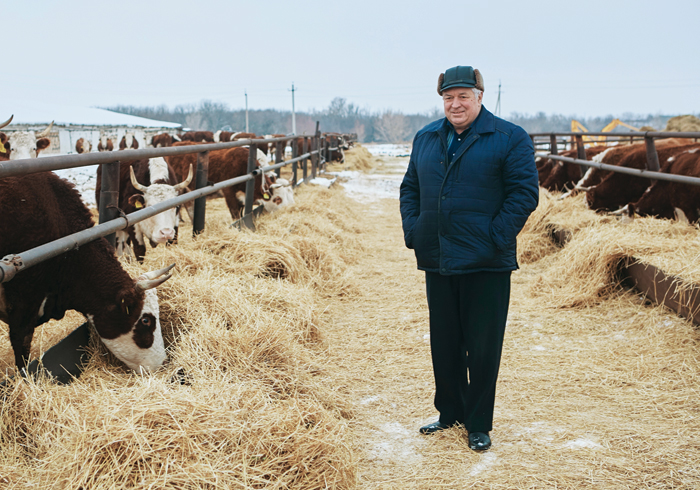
(479, 441)
(434, 427)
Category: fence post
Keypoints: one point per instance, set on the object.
(279, 154)
(553, 146)
(250, 188)
(109, 196)
(295, 153)
(652, 155)
(200, 205)
(316, 162)
(326, 151)
(305, 166)
(314, 157)
(581, 154)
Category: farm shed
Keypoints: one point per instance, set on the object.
(72, 123)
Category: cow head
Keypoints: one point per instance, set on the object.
(131, 328)
(281, 195)
(83, 146)
(161, 227)
(128, 142)
(28, 144)
(105, 144)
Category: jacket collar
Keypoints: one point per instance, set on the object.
(485, 122)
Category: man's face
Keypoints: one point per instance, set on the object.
(461, 106)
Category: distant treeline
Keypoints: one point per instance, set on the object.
(340, 116)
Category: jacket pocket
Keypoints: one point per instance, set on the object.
(471, 238)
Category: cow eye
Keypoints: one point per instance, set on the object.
(146, 321)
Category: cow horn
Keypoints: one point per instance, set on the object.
(581, 188)
(621, 211)
(184, 183)
(7, 122)
(150, 280)
(135, 182)
(45, 132)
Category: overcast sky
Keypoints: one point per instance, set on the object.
(575, 58)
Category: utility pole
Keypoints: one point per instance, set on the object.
(294, 121)
(246, 111)
(498, 101)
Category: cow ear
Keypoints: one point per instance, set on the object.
(137, 201)
(127, 301)
(42, 143)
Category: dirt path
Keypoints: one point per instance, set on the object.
(598, 398)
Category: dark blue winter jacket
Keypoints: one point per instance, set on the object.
(464, 216)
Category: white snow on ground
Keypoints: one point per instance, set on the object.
(486, 462)
(390, 150)
(374, 186)
(397, 443)
(582, 443)
(322, 182)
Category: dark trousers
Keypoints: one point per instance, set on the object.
(467, 322)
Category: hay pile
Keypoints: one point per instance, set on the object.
(552, 216)
(686, 122)
(583, 273)
(245, 401)
(358, 158)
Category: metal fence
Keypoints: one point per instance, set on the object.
(316, 148)
(553, 140)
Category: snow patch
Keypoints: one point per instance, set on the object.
(322, 182)
(582, 443)
(486, 462)
(397, 443)
(390, 150)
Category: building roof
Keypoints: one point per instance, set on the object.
(38, 112)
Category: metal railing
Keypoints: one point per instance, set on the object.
(316, 148)
(652, 162)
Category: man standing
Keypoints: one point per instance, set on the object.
(470, 186)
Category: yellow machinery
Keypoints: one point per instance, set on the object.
(577, 127)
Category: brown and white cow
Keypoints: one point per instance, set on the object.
(264, 147)
(224, 165)
(129, 142)
(617, 189)
(665, 199)
(40, 208)
(223, 136)
(83, 146)
(558, 176)
(161, 140)
(105, 144)
(5, 142)
(133, 195)
(198, 136)
(28, 144)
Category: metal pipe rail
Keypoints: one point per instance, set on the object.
(12, 264)
(683, 179)
(25, 166)
(640, 134)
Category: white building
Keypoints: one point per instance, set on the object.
(72, 123)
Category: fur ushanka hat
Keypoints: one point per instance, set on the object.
(460, 76)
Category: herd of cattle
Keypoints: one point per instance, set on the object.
(39, 208)
(625, 194)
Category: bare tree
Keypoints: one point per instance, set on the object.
(391, 127)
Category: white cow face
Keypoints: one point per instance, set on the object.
(26, 144)
(142, 347)
(161, 227)
(281, 195)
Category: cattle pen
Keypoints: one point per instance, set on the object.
(306, 364)
(65, 359)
